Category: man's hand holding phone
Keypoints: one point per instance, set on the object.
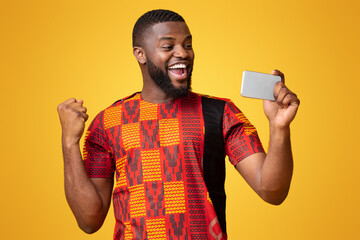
(281, 112)
(280, 104)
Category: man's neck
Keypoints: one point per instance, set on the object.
(155, 95)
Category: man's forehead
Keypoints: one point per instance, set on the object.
(160, 30)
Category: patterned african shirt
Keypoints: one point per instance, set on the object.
(156, 152)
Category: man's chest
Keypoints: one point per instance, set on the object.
(149, 140)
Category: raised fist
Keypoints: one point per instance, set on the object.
(72, 116)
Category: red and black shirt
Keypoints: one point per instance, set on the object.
(169, 163)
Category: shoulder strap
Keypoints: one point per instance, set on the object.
(214, 155)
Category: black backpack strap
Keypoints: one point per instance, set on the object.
(214, 155)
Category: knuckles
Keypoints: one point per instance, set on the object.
(66, 109)
(284, 90)
(71, 109)
(280, 90)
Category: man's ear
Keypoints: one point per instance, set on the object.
(140, 55)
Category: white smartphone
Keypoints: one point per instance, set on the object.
(258, 85)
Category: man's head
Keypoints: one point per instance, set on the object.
(146, 21)
(163, 47)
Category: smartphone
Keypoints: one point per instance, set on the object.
(258, 85)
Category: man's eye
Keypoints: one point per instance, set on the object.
(188, 46)
(168, 48)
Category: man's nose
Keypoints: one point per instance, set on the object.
(180, 52)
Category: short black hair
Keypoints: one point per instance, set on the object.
(151, 18)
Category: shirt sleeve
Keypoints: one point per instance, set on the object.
(241, 138)
(97, 156)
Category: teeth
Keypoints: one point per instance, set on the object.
(178, 66)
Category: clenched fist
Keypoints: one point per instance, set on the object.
(72, 116)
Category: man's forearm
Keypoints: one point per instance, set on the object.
(82, 196)
(277, 169)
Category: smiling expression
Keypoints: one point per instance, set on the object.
(170, 57)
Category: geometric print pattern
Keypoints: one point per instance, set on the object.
(155, 199)
(137, 201)
(242, 141)
(169, 132)
(85, 152)
(174, 197)
(111, 117)
(131, 135)
(151, 165)
(248, 127)
(195, 184)
(156, 228)
(128, 233)
(156, 152)
(120, 168)
(148, 111)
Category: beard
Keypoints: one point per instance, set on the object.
(164, 82)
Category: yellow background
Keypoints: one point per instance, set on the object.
(54, 50)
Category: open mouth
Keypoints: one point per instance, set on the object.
(178, 70)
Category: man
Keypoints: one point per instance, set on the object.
(167, 146)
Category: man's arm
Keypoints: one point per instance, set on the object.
(88, 198)
(270, 175)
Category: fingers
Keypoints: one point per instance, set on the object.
(84, 117)
(290, 99)
(71, 101)
(277, 89)
(283, 96)
(65, 103)
(78, 107)
(278, 73)
(82, 109)
(75, 106)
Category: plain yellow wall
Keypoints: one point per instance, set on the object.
(54, 50)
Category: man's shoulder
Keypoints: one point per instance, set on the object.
(213, 98)
(114, 110)
(219, 103)
(132, 97)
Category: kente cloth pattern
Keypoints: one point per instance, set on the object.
(156, 151)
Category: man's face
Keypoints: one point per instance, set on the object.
(170, 57)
